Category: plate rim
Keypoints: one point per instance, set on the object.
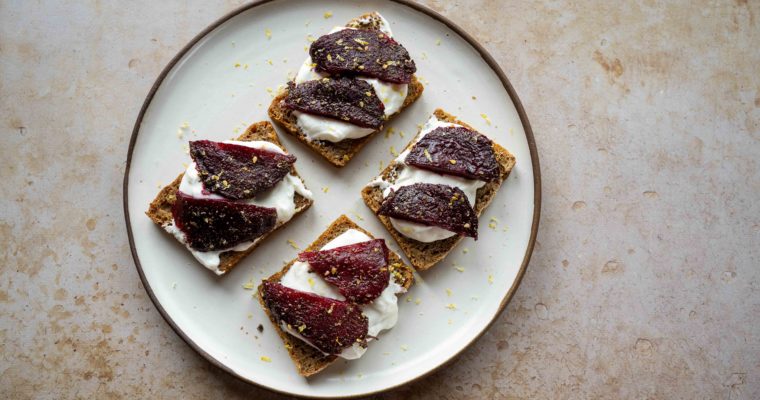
(536, 191)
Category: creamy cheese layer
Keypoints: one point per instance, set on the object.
(382, 313)
(281, 197)
(317, 127)
(409, 175)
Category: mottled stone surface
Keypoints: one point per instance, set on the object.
(645, 282)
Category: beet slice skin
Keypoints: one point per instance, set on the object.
(348, 99)
(238, 172)
(434, 205)
(328, 324)
(211, 225)
(363, 52)
(359, 271)
(456, 151)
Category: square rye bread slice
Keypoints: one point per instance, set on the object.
(160, 210)
(340, 153)
(425, 255)
(307, 359)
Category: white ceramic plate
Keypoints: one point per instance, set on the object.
(203, 87)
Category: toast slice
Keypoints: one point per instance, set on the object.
(307, 359)
(339, 153)
(425, 255)
(160, 210)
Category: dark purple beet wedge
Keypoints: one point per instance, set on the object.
(456, 151)
(433, 205)
(238, 172)
(211, 225)
(359, 271)
(328, 324)
(347, 99)
(363, 52)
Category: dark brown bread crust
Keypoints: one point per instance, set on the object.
(425, 255)
(160, 211)
(307, 359)
(340, 153)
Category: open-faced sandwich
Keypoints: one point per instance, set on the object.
(432, 194)
(355, 78)
(337, 296)
(231, 197)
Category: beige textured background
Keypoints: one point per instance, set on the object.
(645, 282)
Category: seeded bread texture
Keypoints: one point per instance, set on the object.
(160, 211)
(307, 359)
(425, 255)
(340, 153)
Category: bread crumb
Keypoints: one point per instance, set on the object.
(327, 14)
(293, 244)
(266, 359)
(268, 33)
(250, 316)
(490, 279)
(451, 306)
(474, 98)
(448, 292)
(485, 117)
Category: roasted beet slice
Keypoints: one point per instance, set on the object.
(238, 172)
(348, 99)
(360, 271)
(431, 204)
(220, 224)
(456, 151)
(363, 52)
(328, 324)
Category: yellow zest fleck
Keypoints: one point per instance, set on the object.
(268, 33)
(458, 268)
(327, 14)
(451, 306)
(381, 165)
(438, 42)
(389, 132)
(250, 316)
(325, 189)
(329, 57)
(453, 161)
(465, 250)
(493, 222)
(293, 244)
(393, 151)
(474, 98)
(266, 359)
(330, 310)
(490, 279)
(269, 62)
(417, 301)
(245, 66)
(237, 65)
(310, 38)
(301, 328)
(450, 322)
(288, 346)
(369, 94)
(408, 299)
(248, 285)
(311, 282)
(404, 347)
(448, 292)
(427, 155)
(485, 117)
